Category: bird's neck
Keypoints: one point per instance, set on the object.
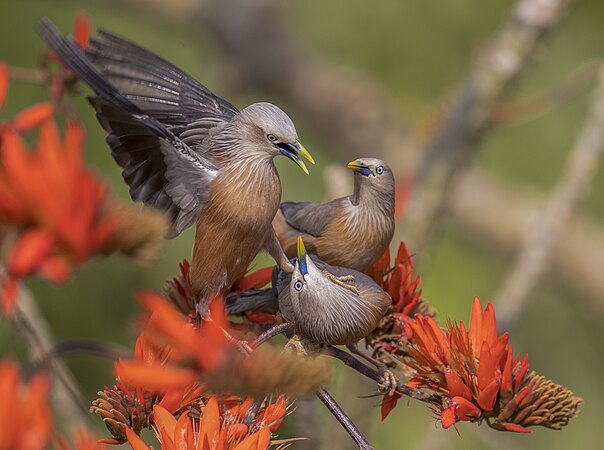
(367, 196)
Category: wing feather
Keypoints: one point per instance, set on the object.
(310, 218)
(160, 169)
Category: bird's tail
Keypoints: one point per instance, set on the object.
(259, 300)
(73, 57)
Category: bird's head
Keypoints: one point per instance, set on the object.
(274, 133)
(306, 277)
(372, 173)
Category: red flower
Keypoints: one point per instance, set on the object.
(56, 207)
(25, 418)
(477, 378)
(192, 350)
(400, 282)
(3, 82)
(220, 426)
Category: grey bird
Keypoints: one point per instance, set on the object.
(326, 304)
(189, 153)
(352, 231)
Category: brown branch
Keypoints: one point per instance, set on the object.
(476, 205)
(67, 400)
(549, 226)
(465, 123)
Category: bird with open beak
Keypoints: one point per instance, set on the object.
(352, 231)
(326, 304)
(189, 153)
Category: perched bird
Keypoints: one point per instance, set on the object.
(325, 304)
(189, 153)
(352, 231)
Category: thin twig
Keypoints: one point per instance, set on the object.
(549, 226)
(375, 375)
(26, 75)
(344, 420)
(67, 399)
(270, 333)
(464, 124)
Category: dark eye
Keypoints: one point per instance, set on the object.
(298, 285)
(271, 137)
(379, 170)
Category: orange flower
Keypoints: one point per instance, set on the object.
(130, 406)
(56, 207)
(192, 350)
(25, 418)
(220, 426)
(400, 282)
(32, 117)
(3, 82)
(402, 285)
(254, 280)
(81, 29)
(476, 377)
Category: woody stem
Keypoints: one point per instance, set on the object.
(375, 375)
(344, 420)
(270, 333)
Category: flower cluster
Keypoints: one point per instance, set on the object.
(476, 377)
(54, 212)
(26, 417)
(401, 283)
(24, 413)
(216, 423)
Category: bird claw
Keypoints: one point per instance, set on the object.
(343, 281)
(389, 382)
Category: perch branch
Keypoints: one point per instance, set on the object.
(344, 420)
(549, 226)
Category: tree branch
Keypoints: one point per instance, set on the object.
(344, 420)
(549, 226)
(465, 123)
(67, 399)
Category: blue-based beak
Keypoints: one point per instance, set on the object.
(302, 257)
(358, 166)
(293, 152)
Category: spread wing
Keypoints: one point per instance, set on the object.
(310, 218)
(160, 168)
(157, 87)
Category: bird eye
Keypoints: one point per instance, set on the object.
(298, 285)
(271, 137)
(379, 170)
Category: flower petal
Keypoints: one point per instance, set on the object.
(3, 82)
(32, 117)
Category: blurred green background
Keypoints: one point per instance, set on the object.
(419, 51)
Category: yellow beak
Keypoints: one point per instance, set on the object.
(301, 248)
(305, 153)
(355, 165)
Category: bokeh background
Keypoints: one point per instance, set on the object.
(413, 55)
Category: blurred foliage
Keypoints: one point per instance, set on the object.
(420, 51)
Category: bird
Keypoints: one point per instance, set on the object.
(327, 305)
(189, 153)
(352, 231)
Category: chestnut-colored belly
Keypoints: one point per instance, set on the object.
(231, 231)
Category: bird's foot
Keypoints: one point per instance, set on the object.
(301, 346)
(388, 383)
(343, 281)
